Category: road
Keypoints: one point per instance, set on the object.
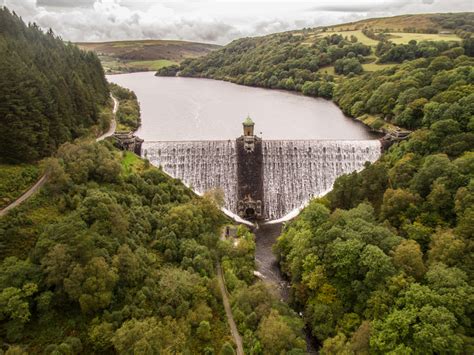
(33, 189)
(228, 311)
(113, 124)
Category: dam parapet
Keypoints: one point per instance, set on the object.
(262, 179)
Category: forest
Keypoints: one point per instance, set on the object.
(384, 262)
(115, 256)
(51, 91)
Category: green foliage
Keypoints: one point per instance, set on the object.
(382, 265)
(414, 50)
(104, 260)
(261, 318)
(279, 61)
(128, 113)
(51, 92)
(418, 93)
(169, 70)
(14, 180)
(150, 336)
(346, 267)
(347, 65)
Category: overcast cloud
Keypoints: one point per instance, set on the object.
(218, 21)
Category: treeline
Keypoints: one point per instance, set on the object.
(109, 259)
(418, 93)
(128, 113)
(384, 263)
(279, 61)
(51, 91)
(293, 61)
(463, 21)
(389, 53)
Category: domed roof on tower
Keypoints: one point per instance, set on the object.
(248, 122)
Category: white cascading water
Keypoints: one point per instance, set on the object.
(201, 165)
(293, 171)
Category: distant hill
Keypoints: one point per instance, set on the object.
(129, 56)
(422, 23)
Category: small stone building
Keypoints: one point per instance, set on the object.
(128, 141)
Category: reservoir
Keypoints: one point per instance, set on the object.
(184, 109)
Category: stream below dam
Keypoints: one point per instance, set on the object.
(267, 264)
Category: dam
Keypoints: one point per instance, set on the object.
(261, 179)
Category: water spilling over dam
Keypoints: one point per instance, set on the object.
(262, 179)
(296, 171)
(202, 165)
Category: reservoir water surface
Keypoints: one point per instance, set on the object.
(182, 109)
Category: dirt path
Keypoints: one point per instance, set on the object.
(113, 124)
(228, 311)
(30, 192)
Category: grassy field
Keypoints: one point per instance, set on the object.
(327, 70)
(362, 38)
(151, 64)
(403, 38)
(131, 163)
(15, 180)
(396, 23)
(375, 66)
(377, 123)
(112, 65)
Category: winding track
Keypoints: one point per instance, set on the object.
(33, 189)
(228, 311)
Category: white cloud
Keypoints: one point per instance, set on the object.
(217, 21)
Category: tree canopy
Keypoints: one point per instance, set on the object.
(51, 91)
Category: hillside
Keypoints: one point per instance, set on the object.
(313, 61)
(422, 23)
(129, 56)
(383, 263)
(50, 92)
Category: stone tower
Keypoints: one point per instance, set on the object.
(248, 127)
(249, 173)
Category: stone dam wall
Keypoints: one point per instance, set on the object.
(293, 171)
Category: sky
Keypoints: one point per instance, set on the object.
(212, 21)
